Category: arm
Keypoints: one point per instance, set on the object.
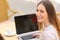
(50, 34)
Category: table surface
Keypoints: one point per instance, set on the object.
(4, 26)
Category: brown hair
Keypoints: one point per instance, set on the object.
(1, 38)
(51, 13)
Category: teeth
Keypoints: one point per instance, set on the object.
(40, 17)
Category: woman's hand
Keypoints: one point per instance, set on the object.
(37, 35)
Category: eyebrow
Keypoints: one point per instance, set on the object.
(40, 10)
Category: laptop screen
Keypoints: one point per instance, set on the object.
(26, 23)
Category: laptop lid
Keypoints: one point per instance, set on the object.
(26, 23)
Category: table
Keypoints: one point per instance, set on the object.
(8, 24)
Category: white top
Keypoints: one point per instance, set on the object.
(49, 33)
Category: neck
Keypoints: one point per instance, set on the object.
(46, 23)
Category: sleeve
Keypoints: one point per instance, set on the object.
(50, 35)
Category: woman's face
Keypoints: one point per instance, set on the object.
(41, 13)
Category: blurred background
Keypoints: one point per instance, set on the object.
(23, 7)
(29, 6)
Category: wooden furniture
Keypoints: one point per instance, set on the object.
(8, 24)
(3, 10)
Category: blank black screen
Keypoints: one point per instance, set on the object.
(26, 23)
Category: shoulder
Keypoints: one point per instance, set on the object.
(50, 29)
(51, 32)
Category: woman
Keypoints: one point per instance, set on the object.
(47, 21)
(1, 38)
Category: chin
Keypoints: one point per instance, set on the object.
(40, 20)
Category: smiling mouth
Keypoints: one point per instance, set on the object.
(39, 18)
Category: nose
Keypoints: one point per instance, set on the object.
(38, 13)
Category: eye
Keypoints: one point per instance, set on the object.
(37, 10)
(41, 11)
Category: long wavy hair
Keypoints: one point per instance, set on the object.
(51, 14)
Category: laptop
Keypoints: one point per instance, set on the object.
(26, 26)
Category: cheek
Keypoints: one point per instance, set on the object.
(45, 16)
(41, 17)
(37, 14)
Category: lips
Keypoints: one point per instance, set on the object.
(39, 17)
